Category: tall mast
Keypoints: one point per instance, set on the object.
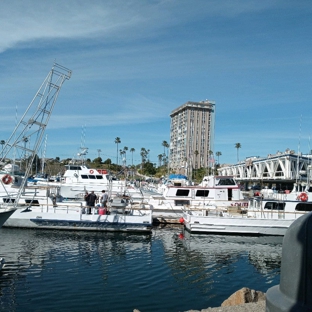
(35, 119)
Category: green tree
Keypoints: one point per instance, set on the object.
(108, 161)
(237, 146)
(149, 168)
(97, 161)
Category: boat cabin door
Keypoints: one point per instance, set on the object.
(230, 195)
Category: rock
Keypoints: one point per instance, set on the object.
(244, 295)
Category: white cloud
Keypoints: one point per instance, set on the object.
(25, 22)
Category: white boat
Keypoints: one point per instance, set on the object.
(42, 212)
(219, 191)
(79, 178)
(270, 215)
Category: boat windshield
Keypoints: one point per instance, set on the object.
(227, 181)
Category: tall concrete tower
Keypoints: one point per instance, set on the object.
(192, 136)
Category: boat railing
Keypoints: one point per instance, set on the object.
(54, 208)
(271, 213)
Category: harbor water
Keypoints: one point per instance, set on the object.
(167, 270)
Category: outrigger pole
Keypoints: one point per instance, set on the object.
(35, 119)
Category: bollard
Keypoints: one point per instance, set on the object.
(294, 293)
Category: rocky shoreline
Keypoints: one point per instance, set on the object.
(243, 300)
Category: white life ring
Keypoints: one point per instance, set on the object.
(91, 171)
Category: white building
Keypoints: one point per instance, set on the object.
(280, 168)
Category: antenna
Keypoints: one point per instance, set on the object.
(297, 169)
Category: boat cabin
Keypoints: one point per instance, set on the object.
(75, 173)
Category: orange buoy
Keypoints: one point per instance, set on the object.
(181, 220)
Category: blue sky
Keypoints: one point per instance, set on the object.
(135, 61)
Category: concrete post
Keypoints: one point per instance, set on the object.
(294, 293)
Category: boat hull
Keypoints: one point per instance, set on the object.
(4, 215)
(235, 225)
(74, 219)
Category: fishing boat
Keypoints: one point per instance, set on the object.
(219, 191)
(38, 207)
(42, 212)
(265, 215)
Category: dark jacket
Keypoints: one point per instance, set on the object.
(90, 199)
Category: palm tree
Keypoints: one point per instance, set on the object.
(2, 142)
(117, 141)
(160, 157)
(125, 152)
(166, 145)
(237, 146)
(132, 150)
(218, 154)
(210, 160)
(121, 152)
(143, 154)
(196, 154)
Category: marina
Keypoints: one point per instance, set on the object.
(166, 167)
(97, 271)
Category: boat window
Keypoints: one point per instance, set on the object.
(71, 167)
(202, 193)
(182, 192)
(226, 182)
(33, 202)
(99, 177)
(304, 207)
(181, 202)
(91, 176)
(8, 200)
(274, 206)
(84, 176)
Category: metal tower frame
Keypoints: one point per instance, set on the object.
(36, 117)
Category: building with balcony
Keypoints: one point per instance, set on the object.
(280, 170)
(192, 136)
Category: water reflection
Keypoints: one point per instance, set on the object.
(186, 271)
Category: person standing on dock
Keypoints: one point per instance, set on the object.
(91, 199)
(104, 199)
